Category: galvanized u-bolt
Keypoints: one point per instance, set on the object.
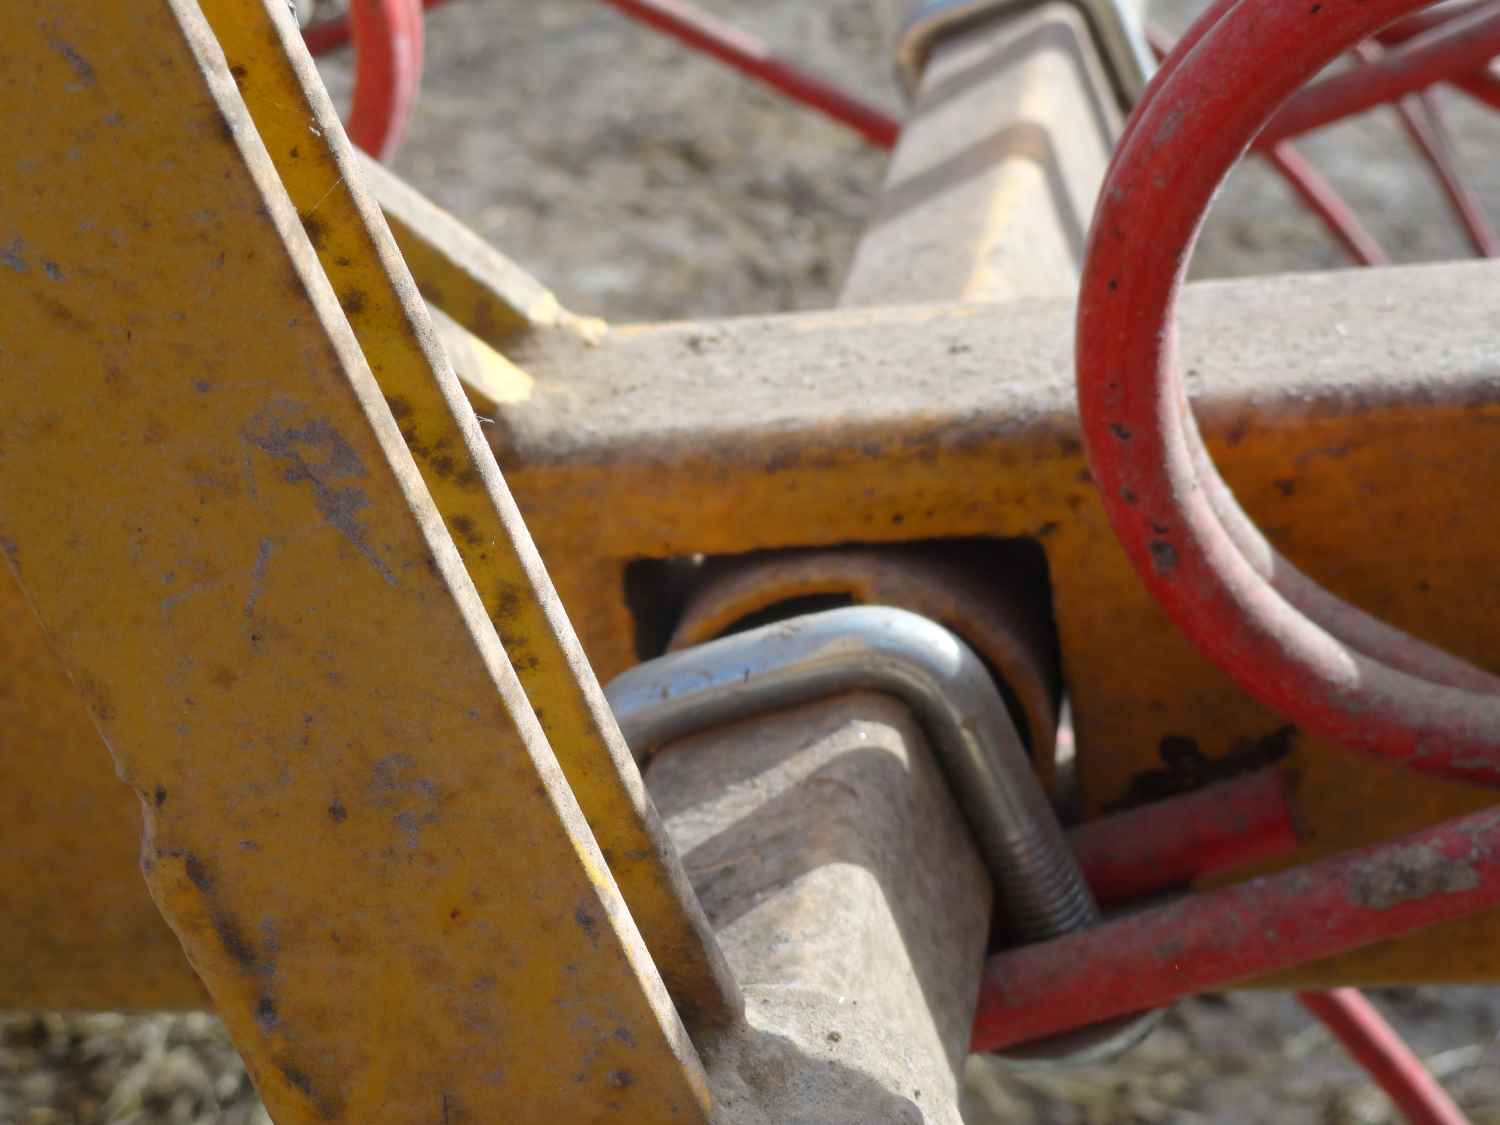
(950, 692)
(931, 671)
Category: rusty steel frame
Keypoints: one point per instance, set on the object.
(1008, 625)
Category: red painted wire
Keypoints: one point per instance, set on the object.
(387, 72)
(1210, 941)
(1457, 46)
(1393, 1065)
(750, 56)
(1483, 88)
(1409, 27)
(1422, 121)
(1332, 669)
(331, 34)
(1323, 200)
(1312, 187)
(1348, 624)
(703, 33)
(1481, 85)
(1169, 844)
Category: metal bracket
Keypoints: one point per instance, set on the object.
(950, 692)
(1120, 38)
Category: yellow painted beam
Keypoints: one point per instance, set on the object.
(354, 823)
(301, 131)
(462, 274)
(886, 426)
(1359, 432)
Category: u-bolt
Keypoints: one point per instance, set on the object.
(949, 691)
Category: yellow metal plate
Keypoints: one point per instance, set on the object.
(354, 823)
(301, 131)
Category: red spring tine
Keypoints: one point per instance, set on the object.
(1458, 46)
(1329, 668)
(387, 72)
(1312, 187)
(1169, 844)
(1423, 121)
(702, 32)
(1323, 200)
(335, 32)
(1375, 1045)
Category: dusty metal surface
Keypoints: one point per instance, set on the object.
(893, 426)
(1116, 26)
(897, 425)
(237, 584)
(322, 176)
(835, 868)
(993, 180)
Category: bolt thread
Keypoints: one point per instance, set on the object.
(1042, 888)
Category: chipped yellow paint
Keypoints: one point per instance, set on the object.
(257, 599)
(301, 131)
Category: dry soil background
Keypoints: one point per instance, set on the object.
(643, 183)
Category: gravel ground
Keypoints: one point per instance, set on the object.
(642, 183)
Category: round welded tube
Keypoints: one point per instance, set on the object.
(1205, 942)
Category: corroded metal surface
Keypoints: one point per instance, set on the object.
(949, 691)
(354, 823)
